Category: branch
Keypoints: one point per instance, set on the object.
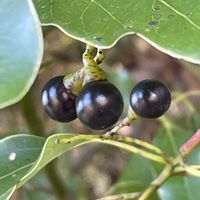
(119, 142)
(156, 183)
(190, 144)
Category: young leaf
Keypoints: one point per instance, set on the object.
(171, 26)
(20, 50)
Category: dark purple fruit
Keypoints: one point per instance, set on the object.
(99, 105)
(58, 102)
(150, 99)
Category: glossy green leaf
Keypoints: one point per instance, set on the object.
(21, 48)
(25, 155)
(6, 195)
(139, 172)
(17, 155)
(38, 188)
(50, 151)
(184, 188)
(171, 139)
(135, 177)
(53, 148)
(35, 154)
(179, 187)
(171, 26)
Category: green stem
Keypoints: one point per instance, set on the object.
(92, 71)
(99, 57)
(192, 170)
(74, 81)
(156, 183)
(131, 116)
(36, 127)
(119, 142)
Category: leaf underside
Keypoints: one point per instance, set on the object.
(171, 26)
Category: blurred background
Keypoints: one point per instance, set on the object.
(92, 171)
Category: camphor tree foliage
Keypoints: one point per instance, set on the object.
(166, 168)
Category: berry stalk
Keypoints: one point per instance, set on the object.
(74, 81)
(156, 183)
(120, 142)
(92, 71)
(131, 116)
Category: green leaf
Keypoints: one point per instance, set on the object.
(20, 50)
(139, 172)
(51, 149)
(184, 187)
(171, 26)
(38, 188)
(24, 152)
(24, 156)
(7, 194)
(170, 140)
(135, 177)
(17, 155)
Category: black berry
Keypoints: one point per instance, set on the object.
(99, 105)
(57, 101)
(150, 99)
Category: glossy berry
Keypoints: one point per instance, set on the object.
(99, 105)
(150, 99)
(57, 101)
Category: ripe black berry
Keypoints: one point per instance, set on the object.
(58, 102)
(99, 104)
(150, 99)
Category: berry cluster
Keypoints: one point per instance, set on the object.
(98, 103)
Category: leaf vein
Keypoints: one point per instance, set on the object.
(179, 13)
(51, 8)
(103, 8)
(83, 13)
(17, 170)
(108, 12)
